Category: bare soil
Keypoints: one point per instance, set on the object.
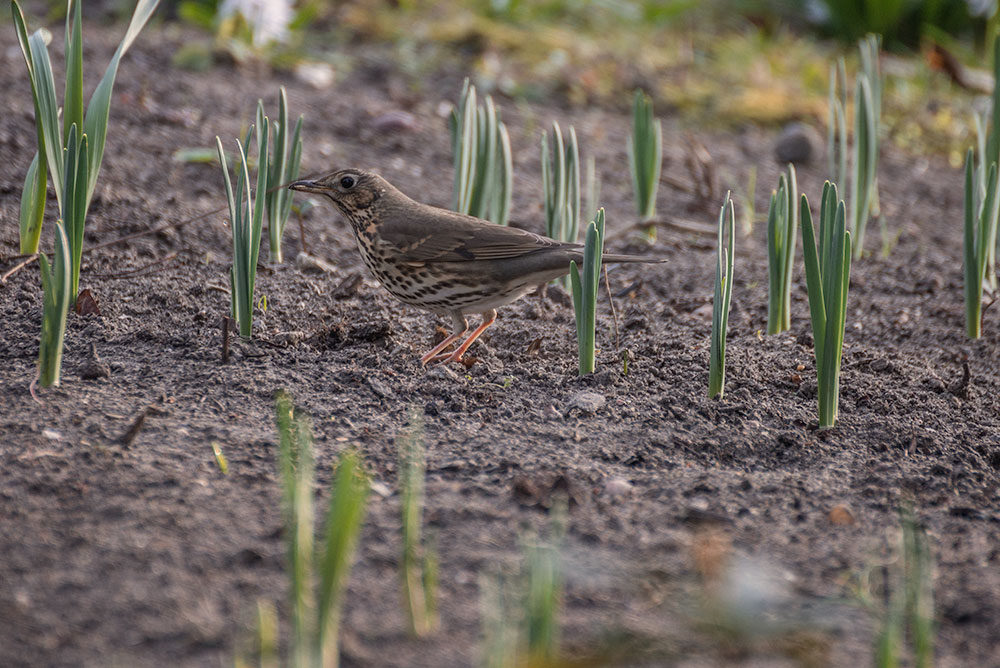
(140, 552)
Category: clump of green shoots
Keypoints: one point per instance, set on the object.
(585, 292)
(55, 147)
(863, 195)
(521, 613)
(828, 276)
(782, 236)
(645, 149)
(721, 300)
(282, 168)
(906, 611)
(988, 153)
(246, 215)
(561, 186)
(418, 567)
(981, 214)
(56, 293)
(318, 573)
(481, 152)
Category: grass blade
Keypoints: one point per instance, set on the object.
(33, 204)
(418, 566)
(343, 525)
(73, 98)
(55, 306)
(721, 300)
(43, 91)
(584, 288)
(99, 107)
(295, 462)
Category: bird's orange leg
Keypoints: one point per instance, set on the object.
(488, 319)
(461, 326)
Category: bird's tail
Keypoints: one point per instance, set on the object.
(608, 257)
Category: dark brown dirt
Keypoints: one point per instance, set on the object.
(144, 554)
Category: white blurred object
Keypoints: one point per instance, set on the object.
(269, 19)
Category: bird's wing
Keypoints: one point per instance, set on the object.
(429, 234)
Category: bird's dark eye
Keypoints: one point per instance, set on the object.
(347, 182)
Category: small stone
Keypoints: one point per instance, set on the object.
(841, 516)
(442, 372)
(52, 434)
(396, 121)
(379, 388)
(381, 489)
(616, 488)
(703, 312)
(288, 338)
(798, 143)
(318, 75)
(307, 262)
(586, 402)
(94, 369)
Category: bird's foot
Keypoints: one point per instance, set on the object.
(443, 358)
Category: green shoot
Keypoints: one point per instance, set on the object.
(561, 186)
(988, 152)
(246, 214)
(863, 194)
(74, 205)
(55, 305)
(32, 207)
(593, 187)
(836, 124)
(316, 611)
(828, 275)
(52, 138)
(267, 635)
(542, 606)
(782, 236)
(645, 147)
(918, 579)
(721, 300)
(585, 292)
(483, 165)
(418, 568)
(500, 632)
(864, 159)
(980, 237)
(520, 612)
(282, 168)
(908, 612)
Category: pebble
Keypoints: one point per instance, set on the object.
(798, 143)
(616, 488)
(396, 121)
(318, 75)
(307, 262)
(587, 402)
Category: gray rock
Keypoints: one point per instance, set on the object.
(798, 143)
(586, 402)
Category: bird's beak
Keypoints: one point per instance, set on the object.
(308, 186)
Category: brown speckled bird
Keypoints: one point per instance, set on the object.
(446, 262)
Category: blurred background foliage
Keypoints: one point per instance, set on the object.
(716, 63)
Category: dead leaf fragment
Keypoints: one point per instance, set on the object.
(841, 516)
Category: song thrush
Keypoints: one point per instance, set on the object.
(442, 261)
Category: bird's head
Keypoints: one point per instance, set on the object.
(353, 191)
